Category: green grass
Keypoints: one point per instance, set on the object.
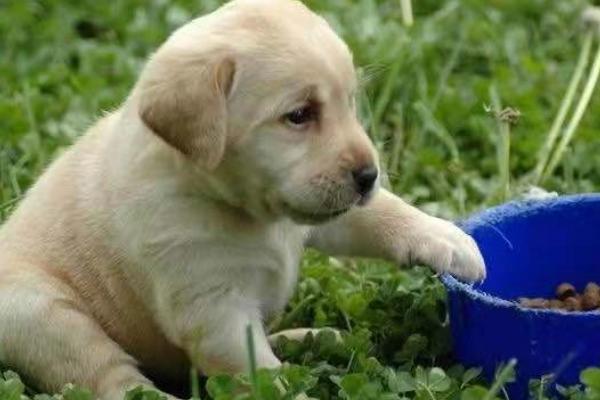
(426, 89)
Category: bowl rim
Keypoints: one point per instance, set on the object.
(511, 209)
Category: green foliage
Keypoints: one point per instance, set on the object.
(64, 63)
(140, 393)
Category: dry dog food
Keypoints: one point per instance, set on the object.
(568, 299)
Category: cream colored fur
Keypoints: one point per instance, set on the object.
(180, 218)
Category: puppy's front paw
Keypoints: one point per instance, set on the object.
(446, 248)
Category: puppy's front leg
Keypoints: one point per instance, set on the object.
(212, 330)
(215, 336)
(389, 228)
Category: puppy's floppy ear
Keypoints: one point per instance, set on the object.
(184, 101)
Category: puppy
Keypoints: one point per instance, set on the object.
(179, 219)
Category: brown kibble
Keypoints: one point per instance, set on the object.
(534, 303)
(592, 287)
(572, 304)
(556, 304)
(567, 299)
(565, 290)
(591, 297)
(590, 301)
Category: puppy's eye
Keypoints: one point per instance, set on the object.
(301, 117)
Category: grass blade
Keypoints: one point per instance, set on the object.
(407, 14)
(195, 384)
(576, 118)
(252, 360)
(502, 378)
(566, 103)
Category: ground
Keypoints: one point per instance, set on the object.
(425, 92)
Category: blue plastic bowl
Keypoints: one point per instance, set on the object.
(530, 248)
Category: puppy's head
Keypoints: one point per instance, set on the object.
(261, 94)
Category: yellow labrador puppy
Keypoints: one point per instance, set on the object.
(179, 219)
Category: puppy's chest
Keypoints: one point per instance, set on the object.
(268, 265)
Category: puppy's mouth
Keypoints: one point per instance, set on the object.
(313, 217)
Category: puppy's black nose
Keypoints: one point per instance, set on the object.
(365, 178)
